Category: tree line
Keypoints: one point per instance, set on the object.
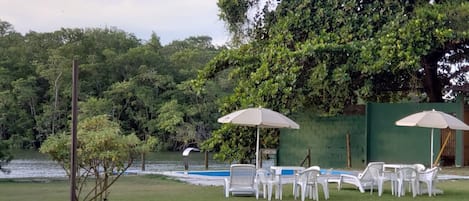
(286, 55)
(142, 85)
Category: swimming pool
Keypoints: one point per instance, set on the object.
(225, 173)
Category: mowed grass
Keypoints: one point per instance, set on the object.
(160, 188)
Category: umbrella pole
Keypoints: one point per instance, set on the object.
(431, 150)
(257, 149)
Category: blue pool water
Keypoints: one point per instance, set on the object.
(225, 173)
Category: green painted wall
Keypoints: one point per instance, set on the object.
(397, 144)
(326, 137)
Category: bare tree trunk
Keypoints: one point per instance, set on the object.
(56, 87)
(32, 108)
(432, 85)
(105, 185)
(143, 153)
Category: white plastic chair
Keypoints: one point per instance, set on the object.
(407, 175)
(241, 180)
(267, 180)
(307, 178)
(429, 178)
(367, 179)
(386, 176)
(322, 179)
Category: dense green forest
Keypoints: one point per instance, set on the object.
(287, 55)
(141, 84)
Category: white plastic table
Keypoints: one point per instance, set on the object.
(283, 179)
(392, 175)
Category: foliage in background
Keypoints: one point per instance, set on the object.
(329, 55)
(287, 55)
(103, 154)
(134, 82)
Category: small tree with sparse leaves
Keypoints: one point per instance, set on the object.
(104, 154)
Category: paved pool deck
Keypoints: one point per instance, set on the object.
(220, 180)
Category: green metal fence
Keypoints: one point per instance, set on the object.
(326, 137)
(396, 144)
(373, 137)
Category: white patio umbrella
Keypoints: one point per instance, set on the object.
(432, 119)
(260, 118)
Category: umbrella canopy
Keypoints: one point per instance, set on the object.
(432, 119)
(260, 118)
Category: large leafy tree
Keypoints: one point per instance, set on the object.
(327, 55)
(430, 45)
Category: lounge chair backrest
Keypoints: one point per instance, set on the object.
(242, 175)
(372, 171)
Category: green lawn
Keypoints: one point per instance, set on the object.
(152, 187)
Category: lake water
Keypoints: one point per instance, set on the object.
(28, 164)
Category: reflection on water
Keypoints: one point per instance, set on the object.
(43, 167)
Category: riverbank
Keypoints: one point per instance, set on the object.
(31, 164)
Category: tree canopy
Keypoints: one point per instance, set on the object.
(288, 55)
(143, 85)
(328, 55)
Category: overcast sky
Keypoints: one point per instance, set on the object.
(169, 19)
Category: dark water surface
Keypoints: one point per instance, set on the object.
(31, 164)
